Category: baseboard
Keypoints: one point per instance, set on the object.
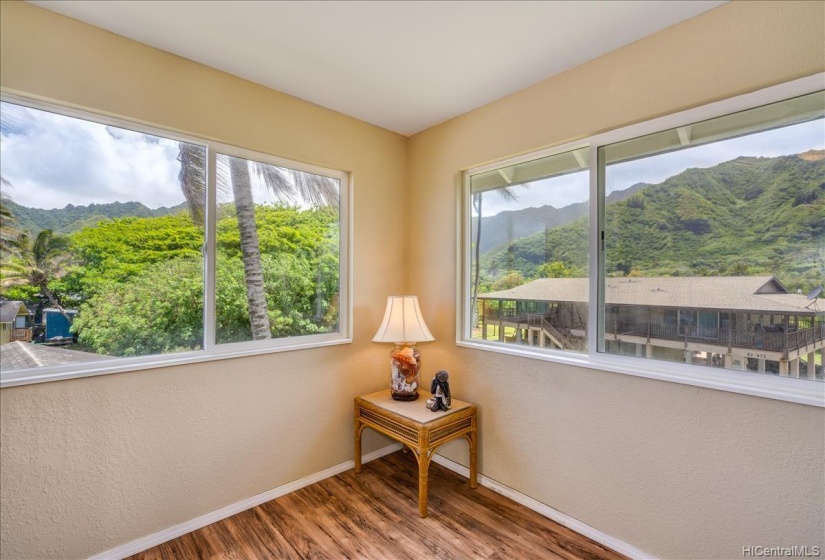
(562, 519)
(147, 542)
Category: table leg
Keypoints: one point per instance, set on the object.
(359, 427)
(472, 439)
(423, 484)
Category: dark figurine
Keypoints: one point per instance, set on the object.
(440, 388)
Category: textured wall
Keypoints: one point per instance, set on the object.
(94, 463)
(677, 471)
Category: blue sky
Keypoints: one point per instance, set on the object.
(51, 161)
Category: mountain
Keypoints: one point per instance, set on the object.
(744, 216)
(513, 224)
(73, 218)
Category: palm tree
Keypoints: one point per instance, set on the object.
(507, 194)
(8, 232)
(37, 263)
(286, 185)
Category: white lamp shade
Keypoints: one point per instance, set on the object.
(403, 322)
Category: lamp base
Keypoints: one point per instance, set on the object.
(405, 367)
(404, 396)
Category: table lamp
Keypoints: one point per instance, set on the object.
(403, 325)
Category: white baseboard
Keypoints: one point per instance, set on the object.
(147, 542)
(562, 519)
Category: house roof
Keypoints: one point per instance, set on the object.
(23, 355)
(734, 293)
(11, 309)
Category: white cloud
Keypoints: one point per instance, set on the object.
(52, 160)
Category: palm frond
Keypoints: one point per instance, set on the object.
(291, 186)
(192, 178)
(316, 190)
(279, 181)
(8, 231)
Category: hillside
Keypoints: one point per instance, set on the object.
(74, 218)
(745, 216)
(513, 224)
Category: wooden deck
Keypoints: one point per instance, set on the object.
(374, 515)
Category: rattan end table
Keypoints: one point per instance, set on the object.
(420, 429)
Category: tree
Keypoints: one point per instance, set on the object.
(286, 185)
(8, 229)
(38, 263)
(556, 269)
(507, 194)
(159, 310)
(113, 251)
(508, 282)
(250, 248)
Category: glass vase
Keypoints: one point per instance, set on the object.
(405, 364)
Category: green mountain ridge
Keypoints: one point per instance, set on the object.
(513, 224)
(745, 216)
(73, 218)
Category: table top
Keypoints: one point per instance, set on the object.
(416, 410)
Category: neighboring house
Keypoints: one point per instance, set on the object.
(15, 322)
(740, 322)
(56, 325)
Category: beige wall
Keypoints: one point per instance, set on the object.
(93, 463)
(677, 471)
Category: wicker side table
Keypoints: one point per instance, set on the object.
(420, 429)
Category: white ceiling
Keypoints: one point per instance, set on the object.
(402, 65)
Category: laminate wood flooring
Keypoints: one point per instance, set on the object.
(374, 515)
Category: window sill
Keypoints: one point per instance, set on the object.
(789, 389)
(124, 365)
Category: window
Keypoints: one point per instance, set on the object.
(528, 252)
(726, 226)
(125, 248)
(705, 249)
(290, 250)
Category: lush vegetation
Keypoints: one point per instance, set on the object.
(138, 281)
(747, 216)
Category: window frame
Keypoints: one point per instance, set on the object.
(210, 350)
(797, 390)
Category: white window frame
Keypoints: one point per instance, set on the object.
(797, 390)
(211, 350)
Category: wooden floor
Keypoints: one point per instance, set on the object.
(374, 515)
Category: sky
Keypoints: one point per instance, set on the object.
(568, 189)
(52, 160)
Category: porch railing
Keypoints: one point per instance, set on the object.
(21, 334)
(758, 339)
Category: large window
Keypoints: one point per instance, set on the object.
(126, 247)
(726, 228)
(705, 249)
